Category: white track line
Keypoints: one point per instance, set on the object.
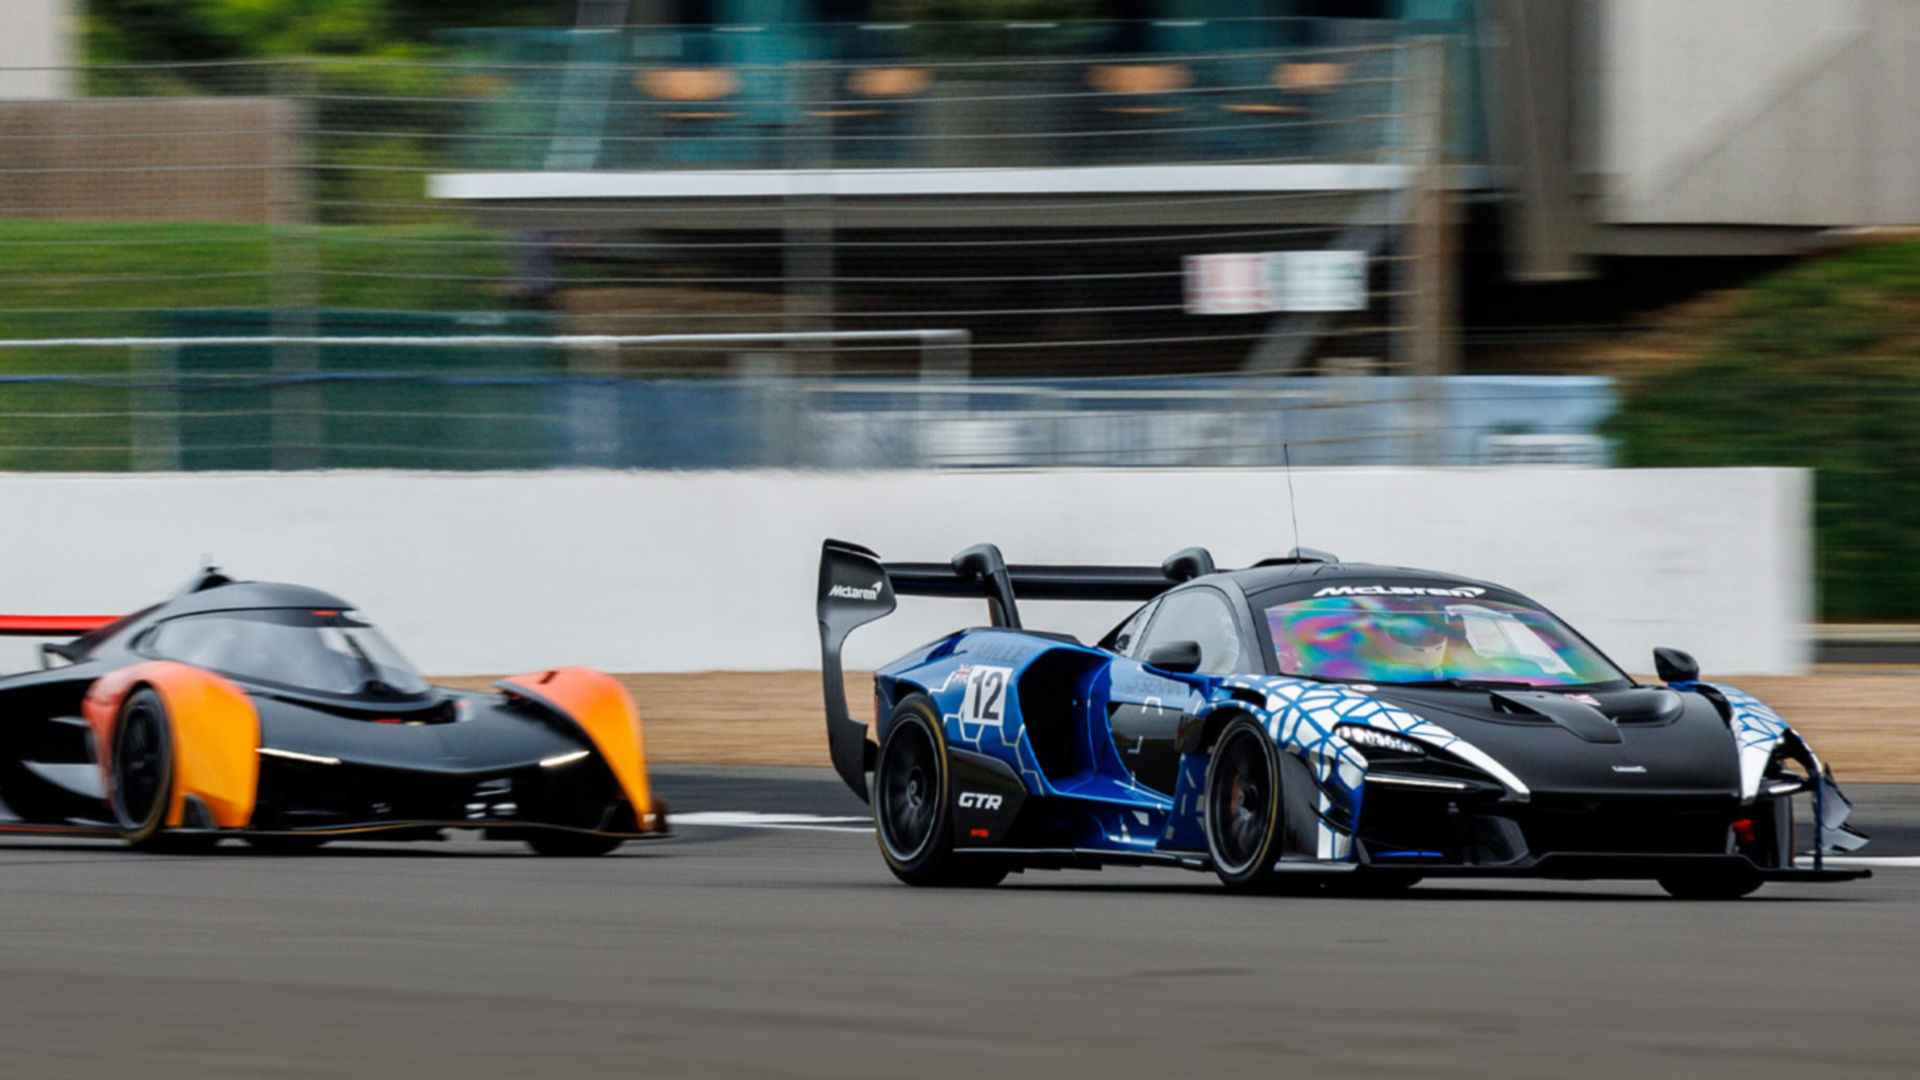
(747, 819)
(1907, 862)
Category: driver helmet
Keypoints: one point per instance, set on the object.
(1415, 639)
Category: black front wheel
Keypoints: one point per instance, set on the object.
(142, 769)
(1244, 807)
(911, 803)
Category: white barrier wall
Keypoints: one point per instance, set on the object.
(696, 571)
(37, 50)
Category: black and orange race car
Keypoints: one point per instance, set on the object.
(277, 714)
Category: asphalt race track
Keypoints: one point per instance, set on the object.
(731, 951)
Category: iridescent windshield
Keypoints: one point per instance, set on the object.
(1410, 639)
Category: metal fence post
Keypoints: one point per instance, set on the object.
(946, 362)
(1427, 330)
(806, 212)
(156, 409)
(593, 405)
(297, 432)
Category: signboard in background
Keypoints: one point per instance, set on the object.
(1529, 449)
(1318, 280)
(1227, 285)
(1250, 283)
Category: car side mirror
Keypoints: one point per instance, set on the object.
(1180, 657)
(1674, 666)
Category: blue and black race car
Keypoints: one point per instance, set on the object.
(1304, 724)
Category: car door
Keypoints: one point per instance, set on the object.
(1143, 707)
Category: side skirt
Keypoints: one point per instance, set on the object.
(394, 830)
(1084, 858)
(1094, 859)
(1613, 867)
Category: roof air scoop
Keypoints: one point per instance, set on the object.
(208, 577)
(1300, 555)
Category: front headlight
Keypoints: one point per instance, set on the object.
(1374, 739)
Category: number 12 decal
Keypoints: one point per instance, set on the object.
(986, 697)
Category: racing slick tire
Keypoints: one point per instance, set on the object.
(1711, 885)
(143, 777)
(911, 808)
(572, 844)
(1244, 811)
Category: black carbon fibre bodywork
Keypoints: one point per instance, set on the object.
(481, 767)
(987, 798)
(1663, 742)
(405, 765)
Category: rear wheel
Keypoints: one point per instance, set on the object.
(1711, 884)
(572, 844)
(910, 803)
(1244, 808)
(143, 777)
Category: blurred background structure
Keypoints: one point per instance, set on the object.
(873, 234)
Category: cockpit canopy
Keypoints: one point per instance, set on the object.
(318, 650)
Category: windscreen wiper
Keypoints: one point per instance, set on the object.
(1468, 684)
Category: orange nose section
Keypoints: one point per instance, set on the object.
(605, 713)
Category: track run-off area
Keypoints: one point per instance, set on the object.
(766, 938)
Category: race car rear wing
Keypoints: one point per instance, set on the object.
(856, 588)
(52, 625)
(56, 626)
(66, 626)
